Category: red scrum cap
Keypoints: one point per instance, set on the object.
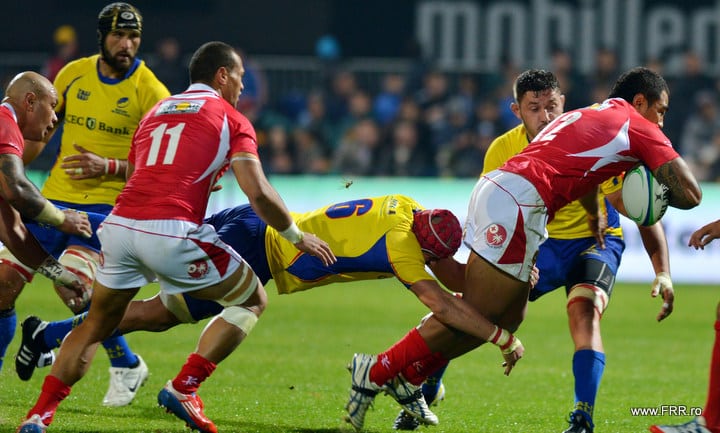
(438, 231)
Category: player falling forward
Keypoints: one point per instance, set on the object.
(378, 237)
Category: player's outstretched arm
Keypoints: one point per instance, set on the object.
(683, 189)
(655, 243)
(456, 313)
(268, 204)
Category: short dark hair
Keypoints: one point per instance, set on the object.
(210, 57)
(534, 80)
(639, 80)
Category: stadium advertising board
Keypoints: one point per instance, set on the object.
(479, 35)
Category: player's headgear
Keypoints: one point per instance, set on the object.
(438, 231)
(117, 16)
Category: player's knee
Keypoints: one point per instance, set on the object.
(241, 317)
(589, 294)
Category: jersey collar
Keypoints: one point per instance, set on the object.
(12, 110)
(201, 87)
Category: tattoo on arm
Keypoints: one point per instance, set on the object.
(17, 189)
(681, 193)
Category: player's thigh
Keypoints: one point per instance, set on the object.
(107, 309)
(597, 267)
(498, 296)
(555, 258)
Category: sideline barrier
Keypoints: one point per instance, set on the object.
(303, 193)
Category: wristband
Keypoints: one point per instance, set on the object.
(112, 166)
(50, 215)
(293, 233)
(504, 340)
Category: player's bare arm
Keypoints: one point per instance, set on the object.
(655, 243)
(267, 203)
(17, 189)
(454, 312)
(24, 196)
(683, 190)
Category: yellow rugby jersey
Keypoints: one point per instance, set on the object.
(570, 222)
(100, 114)
(372, 238)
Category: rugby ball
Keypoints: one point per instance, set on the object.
(645, 199)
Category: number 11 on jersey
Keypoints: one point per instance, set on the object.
(172, 143)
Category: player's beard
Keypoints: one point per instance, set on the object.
(118, 65)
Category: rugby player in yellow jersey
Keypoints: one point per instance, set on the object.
(571, 257)
(101, 99)
(379, 237)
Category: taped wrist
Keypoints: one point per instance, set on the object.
(50, 215)
(293, 233)
(51, 268)
(505, 340)
(663, 278)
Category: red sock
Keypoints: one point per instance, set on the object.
(409, 349)
(53, 392)
(192, 374)
(418, 371)
(711, 412)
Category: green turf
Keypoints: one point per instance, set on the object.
(289, 376)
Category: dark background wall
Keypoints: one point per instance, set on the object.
(285, 27)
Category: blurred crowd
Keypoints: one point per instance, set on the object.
(422, 121)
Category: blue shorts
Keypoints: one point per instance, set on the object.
(55, 241)
(244, 231)
(567, 262)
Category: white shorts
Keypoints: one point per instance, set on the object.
(182, 255)
(506, 222)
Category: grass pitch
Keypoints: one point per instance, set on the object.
(289, 375)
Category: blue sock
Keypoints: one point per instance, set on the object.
(431, 386)
(119, 352)
(54, 333)
(8, 324)
(588, 366)
(116, 346)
